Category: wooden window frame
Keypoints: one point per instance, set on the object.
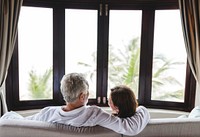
(148, 8)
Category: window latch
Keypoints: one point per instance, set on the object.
(100, 10)
(104, 100)
(99, 100)
(106, 9)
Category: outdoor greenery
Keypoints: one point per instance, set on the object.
(161, 79)
(123, 69)
(40, 86)
(124, 66)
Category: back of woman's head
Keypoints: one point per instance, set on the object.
(72, 85)
(124, 99)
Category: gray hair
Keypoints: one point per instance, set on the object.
(72, 85)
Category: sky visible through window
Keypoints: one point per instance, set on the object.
(35, 49)
(169, 44)
(124, 26)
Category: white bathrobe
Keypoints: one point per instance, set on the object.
(92, 116)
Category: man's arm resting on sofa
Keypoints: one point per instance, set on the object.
(127, 126)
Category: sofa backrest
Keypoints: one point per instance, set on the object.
(28, 128)
(168, 127)
(171, 127)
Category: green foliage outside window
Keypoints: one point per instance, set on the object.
(123, 69)
(40, 86)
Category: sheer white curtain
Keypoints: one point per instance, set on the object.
(9, 14)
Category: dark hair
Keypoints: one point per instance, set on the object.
(124, 98)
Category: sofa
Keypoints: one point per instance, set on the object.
(164, 127)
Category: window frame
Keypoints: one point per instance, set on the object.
(148, 12)
(147, 37)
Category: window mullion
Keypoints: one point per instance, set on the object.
(102, 55)
(146, 56)
(105, 54)
(58, 52)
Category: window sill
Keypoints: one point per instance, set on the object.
(155, 113)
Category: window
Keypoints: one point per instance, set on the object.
(167, 83)
(35, 56)
(81, 44)
(111, 42)
(124, 48)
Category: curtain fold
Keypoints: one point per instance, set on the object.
(9, 14)
(3, 107)
(190, 17)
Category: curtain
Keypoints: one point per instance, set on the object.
(9, 14)
(190, 17)
(3, 107)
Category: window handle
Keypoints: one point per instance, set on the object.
(99, 100)
(100, 10)
(106, 9)
(104, 100)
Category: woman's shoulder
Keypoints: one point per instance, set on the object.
(141, 108)
(143, 111)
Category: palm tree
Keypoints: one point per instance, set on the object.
(160, 78)
(124, 69)
(125, 65)
(128, 73)
(40, 85)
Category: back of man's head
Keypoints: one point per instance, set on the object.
(72, 85)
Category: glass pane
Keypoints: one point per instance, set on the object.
(169, 59)
(35, 53)
(124, 48)
(81, 44)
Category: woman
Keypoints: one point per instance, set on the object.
(122, 101)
